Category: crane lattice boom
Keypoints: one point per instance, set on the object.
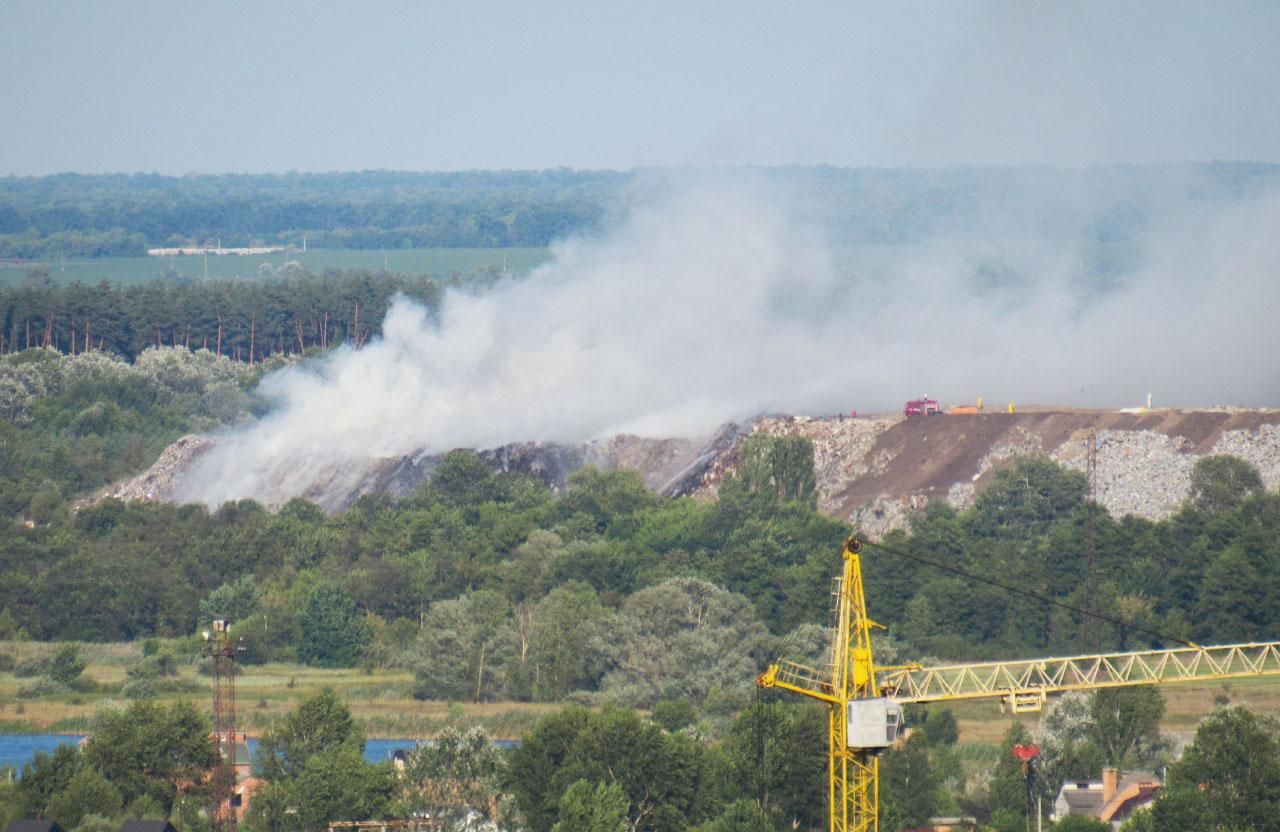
(1023, 683)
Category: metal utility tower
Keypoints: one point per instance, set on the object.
(222, 649)
(865, 701)
(1091, 630)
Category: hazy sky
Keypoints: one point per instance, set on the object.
(249, 86)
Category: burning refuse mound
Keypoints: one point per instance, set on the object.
(873, 471)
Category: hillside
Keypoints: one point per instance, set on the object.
(873, 471)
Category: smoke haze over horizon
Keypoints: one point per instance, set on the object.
(710, 300)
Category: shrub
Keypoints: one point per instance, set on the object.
(44, 686)
(30, 667)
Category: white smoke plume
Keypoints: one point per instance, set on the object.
(709, 301)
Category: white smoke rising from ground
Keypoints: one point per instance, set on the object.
(707, 303)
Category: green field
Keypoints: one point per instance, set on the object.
(435, 261)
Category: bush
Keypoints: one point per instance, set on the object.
(30, 667)
(44, 686)
(139, 687)
(66, 665)
(674, 714)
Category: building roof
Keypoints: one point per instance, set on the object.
(1081, 801)
(1142, 796)
(30, 825)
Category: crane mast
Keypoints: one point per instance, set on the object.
(865, 702)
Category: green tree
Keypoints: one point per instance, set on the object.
(45, 777)
(465, 647)
(775, 754)
(333, 633)
(908, 787)
(319, 723)
(940, 727)
(458, 772)
(588, 807)
(659, 773)
(686, 638)
(739, 816)
(568, 647)
(87, 793)
(66, 665)
(1023, 502)
(337, 784)
(146, 749)
(1219, 484)
(1008, 790)
(776, 468)
(1126, 722)
(234, 601)
(1230, 773)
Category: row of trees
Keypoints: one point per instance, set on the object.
(76, 214)
(248, 320)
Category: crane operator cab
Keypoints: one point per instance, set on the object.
(873, 724)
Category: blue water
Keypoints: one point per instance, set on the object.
(16, 749)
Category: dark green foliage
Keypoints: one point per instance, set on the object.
(1230, 773)
(319, 724)
(674, 714)
(315, 771)
(79, 216)
(332, 631)
(774, 469)
(592, 807)
(86, 793)
(457, 773)
(66, 665)
(659, 773)
(908, 785)
(940, 727)
(1221, 483)
(1126, 722)
(740, 816)
(776, 753)
(45, 777)
(146, 750)
(1008, 789)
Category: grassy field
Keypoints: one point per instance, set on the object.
(382, 698)
(264, 694)
(436, 261)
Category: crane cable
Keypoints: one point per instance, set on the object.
(955, 570)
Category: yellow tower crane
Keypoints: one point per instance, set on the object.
(865, 701)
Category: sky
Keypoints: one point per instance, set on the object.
(237, 86)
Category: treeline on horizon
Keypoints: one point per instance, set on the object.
(79, 215)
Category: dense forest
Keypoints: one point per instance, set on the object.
(75, 215)
(287, 314)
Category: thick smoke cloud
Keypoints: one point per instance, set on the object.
(708, 301)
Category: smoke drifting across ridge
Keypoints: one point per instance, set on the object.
(708, 301)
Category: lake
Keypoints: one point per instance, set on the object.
(16, 749)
